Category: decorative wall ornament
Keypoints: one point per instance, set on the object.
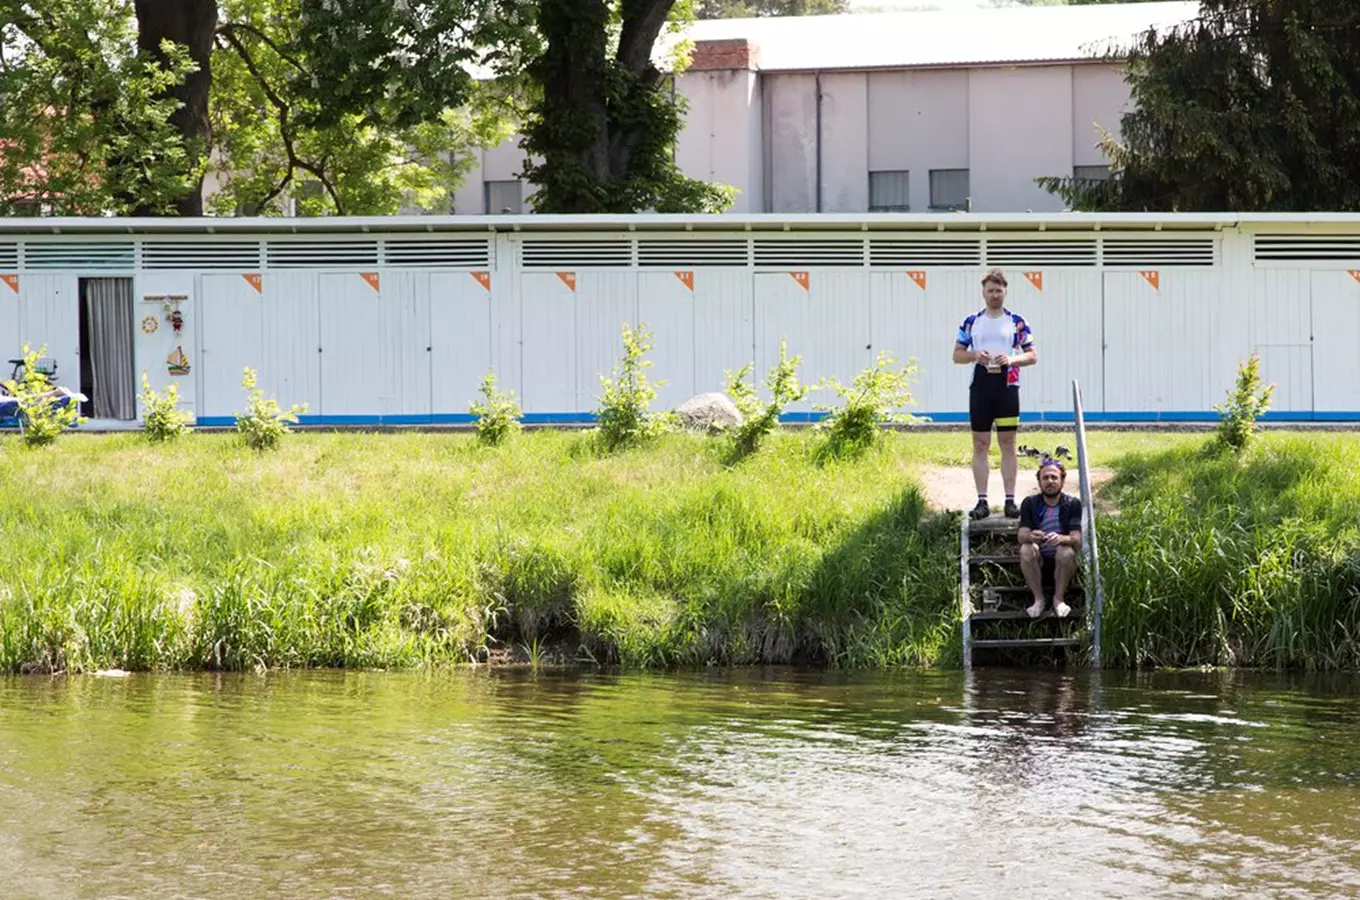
(177, 363)
(150, 324)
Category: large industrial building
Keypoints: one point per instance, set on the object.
(893, 112)
(396, 320)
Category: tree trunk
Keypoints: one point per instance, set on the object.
(191, 23)
(586, 143)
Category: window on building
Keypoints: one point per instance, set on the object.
(948, 189)
(504, 197)
(889, 192)
(1091, 173)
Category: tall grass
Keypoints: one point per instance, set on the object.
(408, 549)
(1220, 561)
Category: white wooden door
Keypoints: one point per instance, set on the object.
(460, 340)
(666, 307)
(1336, 348)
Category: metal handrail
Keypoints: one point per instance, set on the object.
(1088, 533)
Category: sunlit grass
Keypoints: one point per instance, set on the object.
(405, 549)
(393, 550)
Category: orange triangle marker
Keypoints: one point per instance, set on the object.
(919, 277)
(801, 278)
(1036, 279)
(687, 277)
(569, 279)
(483, 278)
(255, 281)
(12, 281)
(1153, 278)
(1355, 273)
(371, 278)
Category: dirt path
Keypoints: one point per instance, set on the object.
(951, 487)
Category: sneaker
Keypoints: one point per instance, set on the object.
(1012, 511)
(981, 511)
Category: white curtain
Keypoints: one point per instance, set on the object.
(109, 307)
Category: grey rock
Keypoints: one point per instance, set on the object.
(709, 412)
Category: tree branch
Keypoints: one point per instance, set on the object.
(293, 161)
(230, 29)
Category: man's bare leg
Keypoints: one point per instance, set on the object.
(982, 443)
(1031, 563)
(1006, 441)
(1062, 576)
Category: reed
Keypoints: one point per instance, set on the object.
(1216, 560)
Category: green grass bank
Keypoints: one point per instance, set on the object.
(388, 550)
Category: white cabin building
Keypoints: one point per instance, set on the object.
(396, 320)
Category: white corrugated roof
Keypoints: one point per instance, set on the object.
(759, 222)
(952, 37)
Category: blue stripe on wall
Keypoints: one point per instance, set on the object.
(1033, 418)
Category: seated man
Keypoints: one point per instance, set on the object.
(1050, 535)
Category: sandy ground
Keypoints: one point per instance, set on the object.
(951, 487)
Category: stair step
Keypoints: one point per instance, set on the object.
(994, 525)
(978, 559)
(989, 615)
(1074, 587)
(1021, 643)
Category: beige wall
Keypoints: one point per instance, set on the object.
(918, 122)
(1019, 127)
(721, 137)
(1099, 98)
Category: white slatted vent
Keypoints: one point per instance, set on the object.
(548, 253)
(1041, 253)
(922, 254)
(1146, 252)
(243, 255)
(81, 256)
(438, 253)
(9, 257)
(1307, 247)
(673, 254)
(798, 252)
(320, 254)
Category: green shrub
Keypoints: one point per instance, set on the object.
(623, 416)
(1246, 403)
(867, 403)
(263, 424)
(497, 415)
(162, 420)
(759, 419)
(40, 419)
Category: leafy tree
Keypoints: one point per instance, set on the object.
(605, 123)
(751, 9)
(1252, 106)
(87, 123)
(115, 106)
(353, 107)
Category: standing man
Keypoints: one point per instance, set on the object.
(1049, 536)
(996, 342)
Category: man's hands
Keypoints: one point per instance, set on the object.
(1046, 538)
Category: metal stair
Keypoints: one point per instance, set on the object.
(993, 595)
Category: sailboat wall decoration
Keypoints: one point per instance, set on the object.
(177, 363)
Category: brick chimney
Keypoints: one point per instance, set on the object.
(735, 53)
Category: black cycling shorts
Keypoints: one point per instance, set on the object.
(993, 402)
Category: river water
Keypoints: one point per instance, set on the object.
(766, 783)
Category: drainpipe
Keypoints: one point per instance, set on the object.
(818, 76)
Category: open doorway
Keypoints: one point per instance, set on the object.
(107, 364)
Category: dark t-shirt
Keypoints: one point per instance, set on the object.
(1069, 512)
